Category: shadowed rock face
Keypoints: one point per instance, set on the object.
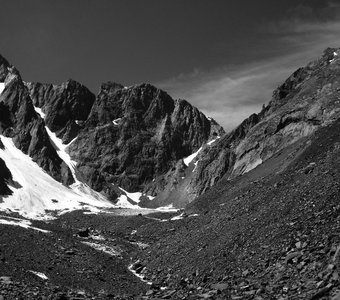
(125, 136)
(133, 135)
(65, 106)
(19, 121)
(5, 176)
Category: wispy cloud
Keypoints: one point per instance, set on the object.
(231, 93)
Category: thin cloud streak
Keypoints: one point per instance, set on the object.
(231, 93)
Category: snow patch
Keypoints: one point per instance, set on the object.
(182, 216)
(140, 276)
(195, 163)
(213, 141)
(133, 196)
(113, 251)
(116, 121)
(191, 157)
(2, 87)
(38, 193)
(21, 223)
(123, 202)
(335, 54)
(40, 112)
(194, 215)
(61, 151)
(169, 208)
(39, 274)
(179, 217)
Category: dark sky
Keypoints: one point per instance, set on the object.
(224, 56)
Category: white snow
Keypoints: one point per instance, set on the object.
(195, 163)
(20, 222)
(2, 87)
(39, 274)
(113, 251)
(133, 196)
(140, 276)
(179, 217)
(169, 208)
(213, 141)
(115, 122)
(39, 112)
(60, 147)
(123, 202)
(39, 193)
(334, 57)
(191, 157)
(61, 151)
(182, 216)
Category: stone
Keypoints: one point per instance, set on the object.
(220, 286)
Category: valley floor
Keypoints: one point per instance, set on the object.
(81, 255)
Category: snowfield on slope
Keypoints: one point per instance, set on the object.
(37, 193)
(2, 87)
(190, 158)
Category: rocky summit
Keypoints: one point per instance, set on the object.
(130, 194)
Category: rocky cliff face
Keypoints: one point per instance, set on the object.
(307, 100)
(66, 106)
(126, 136)
(19, 121)
(138, 138)
(5, 176)
(133, 135)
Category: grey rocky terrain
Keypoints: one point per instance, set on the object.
(259, 214)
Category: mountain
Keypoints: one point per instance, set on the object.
(110, 146)
(269, 228)
(19, 121)
(261, 203)
(307, 101)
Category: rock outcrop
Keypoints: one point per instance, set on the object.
(307, 100)
(19, 121)
(5, 176)
(139, 138)
(133, 135)
(66, 106)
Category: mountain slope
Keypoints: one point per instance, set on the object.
(305, 102)
(116, 143)
(272, 232)
(127, 136)
(19, 121)
(65, 106)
